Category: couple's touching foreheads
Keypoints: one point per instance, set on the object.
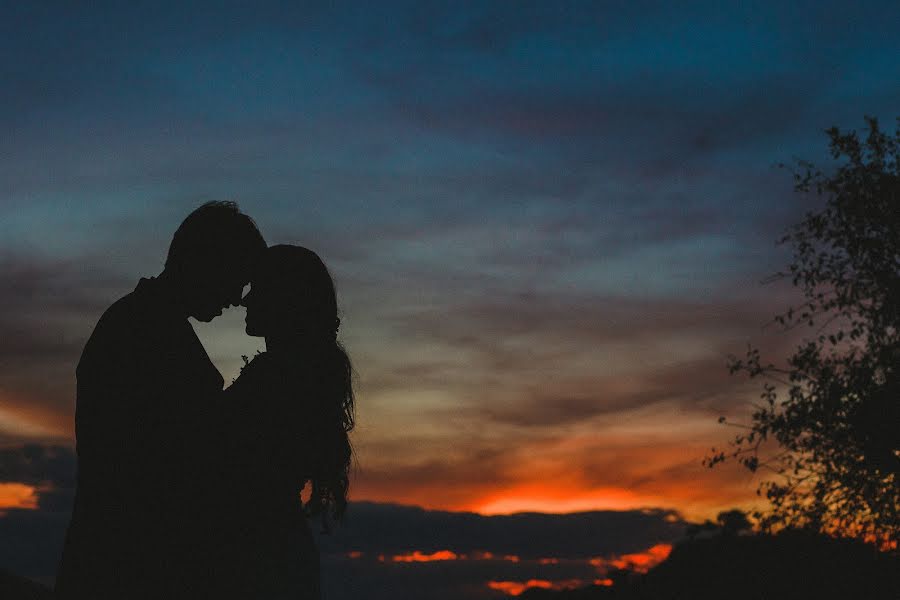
(189, 490)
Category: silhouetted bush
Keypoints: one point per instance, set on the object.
(13, 587)
(834, 408)
(793, 565)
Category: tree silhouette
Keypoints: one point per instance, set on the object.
(733, 522)
(696, 529)
(728, 523)
(833, 409)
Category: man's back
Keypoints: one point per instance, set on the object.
(144, 381)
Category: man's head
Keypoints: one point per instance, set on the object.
(211, 256)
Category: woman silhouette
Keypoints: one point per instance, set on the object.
(288, 416)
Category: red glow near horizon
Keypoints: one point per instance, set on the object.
(639, 562)
(516, 588)
(529, 498)
(417, 556)
(18, 495)
(638, 479)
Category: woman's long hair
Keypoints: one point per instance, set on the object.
(328, 400)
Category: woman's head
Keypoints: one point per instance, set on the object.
(291, 295)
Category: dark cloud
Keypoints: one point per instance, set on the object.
(702, 388)
(388, 530)
(45, 305)
(47, 309)
(572, 88)
(553, 332)
(663, 137)
(421, 469)
(38, 465)
(31, 539)
(345, 579)
(392, 529)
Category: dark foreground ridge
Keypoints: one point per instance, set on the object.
(792, 565)
(13, 587)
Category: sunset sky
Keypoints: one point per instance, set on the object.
(547, 222)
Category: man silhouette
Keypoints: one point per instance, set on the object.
(145, 384)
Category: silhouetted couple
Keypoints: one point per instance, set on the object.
(186, 490)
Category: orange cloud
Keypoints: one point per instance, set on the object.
(417, 556)
(516, 588)
(643, 461)
(639, 562)
(538, 497)
(29, 417)
(420, 557)
(651, 459)
(17, 495)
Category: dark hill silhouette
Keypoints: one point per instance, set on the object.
(792, 565)
(13, 587)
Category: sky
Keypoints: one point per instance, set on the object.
(548, 222)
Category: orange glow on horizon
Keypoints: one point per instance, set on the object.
(534, 498)
(420, 557)
(17, 495)
(639, 562)
(561, 500)
(29, 417)
(618, 473)
(517, 588)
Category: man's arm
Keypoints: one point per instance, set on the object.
(114, 440)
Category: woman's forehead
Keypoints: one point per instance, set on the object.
(270, 278)
(265, 270)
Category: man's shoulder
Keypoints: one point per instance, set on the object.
(123, 314)
(127, 321)
(139, 308)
